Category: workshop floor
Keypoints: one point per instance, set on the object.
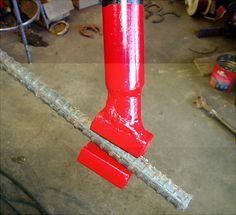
(192, 149)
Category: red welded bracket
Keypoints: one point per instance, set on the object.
(120, 121)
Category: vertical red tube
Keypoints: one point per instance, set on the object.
(120, 121)
(124, 46)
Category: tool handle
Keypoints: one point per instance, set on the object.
(223, 121)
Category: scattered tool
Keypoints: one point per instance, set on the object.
(84, 30)
(203, 51)
(202, 104)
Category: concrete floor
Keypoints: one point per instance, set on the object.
(192, 149)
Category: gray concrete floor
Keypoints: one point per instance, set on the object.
(192, 149)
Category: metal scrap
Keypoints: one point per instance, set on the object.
(34, 39)
(59, 28)
(201, 103)
(157, 14)
(86, 30)
(210, 51)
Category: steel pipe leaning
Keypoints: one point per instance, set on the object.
(141, 167)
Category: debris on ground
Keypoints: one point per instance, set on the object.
(155, 12)
(85, 29)
(201, 103)
(34, 39)
(19, 159)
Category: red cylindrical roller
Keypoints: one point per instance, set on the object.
(120, 121)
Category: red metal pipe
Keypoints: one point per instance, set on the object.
(1, 4)
(120, 121)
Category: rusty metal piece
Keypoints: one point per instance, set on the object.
(83, 30)
(201, 103)
(148, 14)
(158, 8)
(209, 51)
(171, 13)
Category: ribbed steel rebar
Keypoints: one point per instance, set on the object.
(139, 166)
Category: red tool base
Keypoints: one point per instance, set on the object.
(134, 140)
(100, 162)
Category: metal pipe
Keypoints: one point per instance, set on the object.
(22, 29)
(43, 13)
(141, 167)
(120, 121)
(202, 104)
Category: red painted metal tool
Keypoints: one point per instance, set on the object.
(120, 121)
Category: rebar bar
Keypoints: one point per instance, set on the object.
(141, 167)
